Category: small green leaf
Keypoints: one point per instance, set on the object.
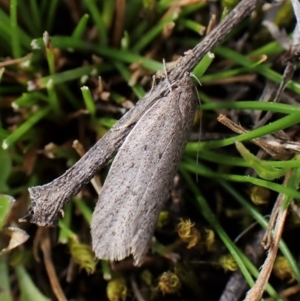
(6, 203)
(264, 170)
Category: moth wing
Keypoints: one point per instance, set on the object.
(140, 179)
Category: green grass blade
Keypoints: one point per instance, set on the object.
(81, 27)
(96, 14)
(203, 171)
(5, 293)
(5, 31)
(111, 53)
(65, 76)
(36, 18)
(137, 89)
(264, 224)
(49, 14)
(108, 13)
(84, 209)
(210, 217)
(88, 100)
(28, 289)
(270, 128)
(261, 69)
(148, 37)
(15, 41)
(6, 203)
(253, 105)
(26, 126)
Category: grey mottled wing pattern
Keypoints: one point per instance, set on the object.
(141, 176)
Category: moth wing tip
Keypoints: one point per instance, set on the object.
(109, 251)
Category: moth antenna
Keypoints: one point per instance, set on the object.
(166, 73)
(200, 125)
(248, 229)
(197, 79)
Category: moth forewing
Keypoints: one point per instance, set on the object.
(141, 176)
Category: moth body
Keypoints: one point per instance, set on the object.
(141, 176)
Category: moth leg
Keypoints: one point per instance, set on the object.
(153, 83)
(166, 74)
(160, 75)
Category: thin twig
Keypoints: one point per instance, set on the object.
(138, 295)
(119, 22)
(287, 292)
(280, 213)
(46, 248)
(270, 145)
(15, 61)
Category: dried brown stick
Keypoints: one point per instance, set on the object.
(280, 214)
(137, 293)
(119, 22)
(46, 248)
(47, 201)
(288, 292)
(270, 146)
